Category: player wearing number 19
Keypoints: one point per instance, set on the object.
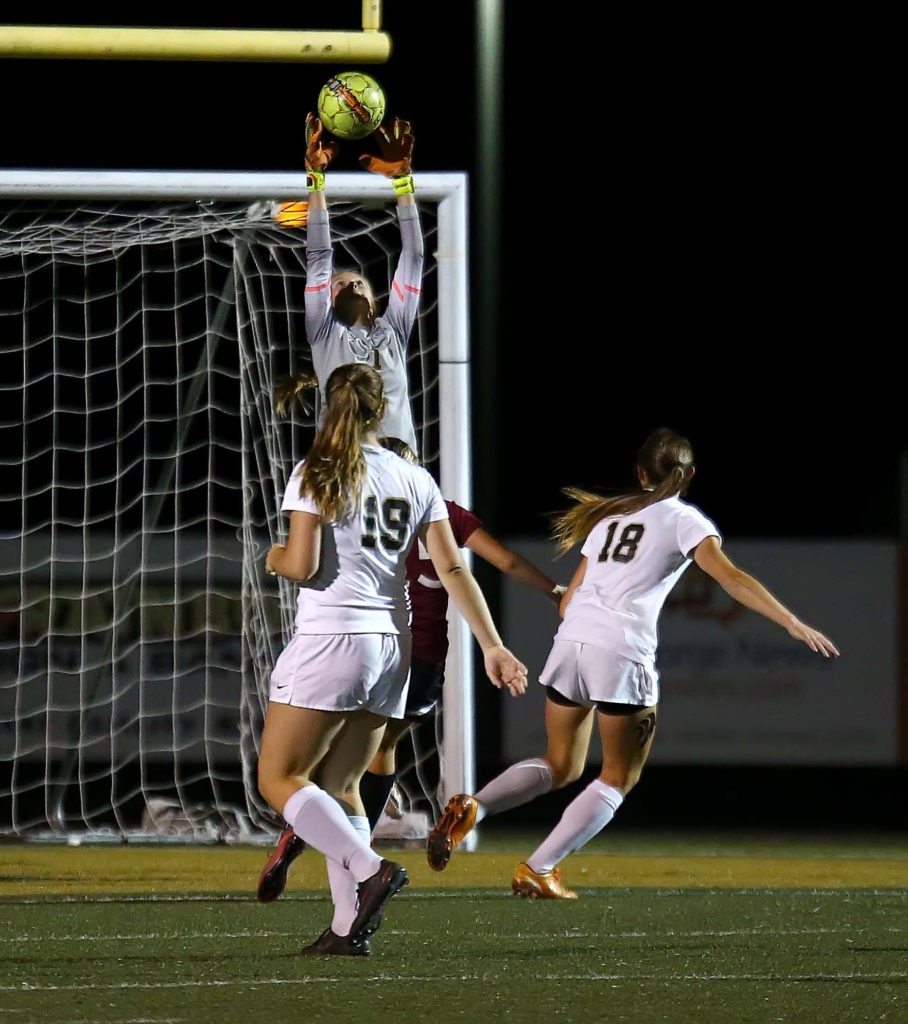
(602, 664)
(355, 510)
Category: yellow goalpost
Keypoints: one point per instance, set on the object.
(368, 46)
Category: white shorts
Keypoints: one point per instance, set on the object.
(586, 674)
(344, 672)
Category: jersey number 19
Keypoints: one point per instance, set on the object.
(387, 527)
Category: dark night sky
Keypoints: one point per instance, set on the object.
(688, 236)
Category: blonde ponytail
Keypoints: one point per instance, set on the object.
(335, 468)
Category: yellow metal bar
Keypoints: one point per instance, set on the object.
(371, 15)
(104, 43)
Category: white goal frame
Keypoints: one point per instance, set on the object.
(450, 192)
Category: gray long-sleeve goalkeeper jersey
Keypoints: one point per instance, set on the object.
(334, 344)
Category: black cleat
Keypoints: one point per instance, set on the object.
(329, 944)
(374, 893)
(274, 878)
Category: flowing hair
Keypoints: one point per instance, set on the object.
(665, 457)
(335, 468)
(294, 389)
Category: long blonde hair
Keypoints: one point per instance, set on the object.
(665, 457)
(335, 468)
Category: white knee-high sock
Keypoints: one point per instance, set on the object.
(516, 785)
(343, 884)
(583, 817)
(319, 820)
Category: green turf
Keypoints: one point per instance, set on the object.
(695, 955)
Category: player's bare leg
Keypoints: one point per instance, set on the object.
(568, 729)
(358, 907)
(377, 782)
(626, 743)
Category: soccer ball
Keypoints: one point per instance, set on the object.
(351, 105)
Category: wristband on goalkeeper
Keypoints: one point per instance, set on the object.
(315, 181)
(403, 185)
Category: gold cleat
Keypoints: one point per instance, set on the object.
(547, 886)
(458, 819)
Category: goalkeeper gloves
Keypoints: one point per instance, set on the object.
(319, 152)
(396, 148)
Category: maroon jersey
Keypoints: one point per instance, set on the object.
(428, 597)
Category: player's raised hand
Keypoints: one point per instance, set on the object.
(503, 669)
(814, 639)
(396, 144)
(321, 149)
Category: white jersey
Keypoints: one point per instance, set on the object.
(384, 345)
(360, 586)
(633, 562)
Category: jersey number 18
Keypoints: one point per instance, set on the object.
(626, 547)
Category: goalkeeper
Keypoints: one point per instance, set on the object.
(342, 324)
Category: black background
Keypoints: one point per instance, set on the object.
(697, 230)
(693, 216)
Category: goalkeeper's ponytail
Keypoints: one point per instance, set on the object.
(667, 461)
(335, 469)
(294, 389)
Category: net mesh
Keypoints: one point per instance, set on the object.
(143, 465)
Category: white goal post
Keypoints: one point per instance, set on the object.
(108, 534)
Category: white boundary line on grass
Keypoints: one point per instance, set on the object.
(396, 978)
(249, 934)
(10, 899)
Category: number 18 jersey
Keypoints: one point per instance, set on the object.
(360, 586)
(633, 562)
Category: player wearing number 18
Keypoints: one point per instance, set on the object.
(355, 510)
(602, 664)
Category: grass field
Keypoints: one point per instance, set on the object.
(667, 928)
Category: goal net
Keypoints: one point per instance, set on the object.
(145, 322)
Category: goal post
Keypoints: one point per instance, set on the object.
(145, 319)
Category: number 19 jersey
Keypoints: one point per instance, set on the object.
(360, 586)
(633, 562)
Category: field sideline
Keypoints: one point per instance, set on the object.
(672, 928)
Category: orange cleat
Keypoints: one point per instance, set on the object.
(274, 875)
(458, 819)
(547, 886)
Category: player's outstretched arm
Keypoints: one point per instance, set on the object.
(320, 151)
(515, 566)
(752, 594)
(502, 668)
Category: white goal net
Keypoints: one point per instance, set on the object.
(145, 321)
